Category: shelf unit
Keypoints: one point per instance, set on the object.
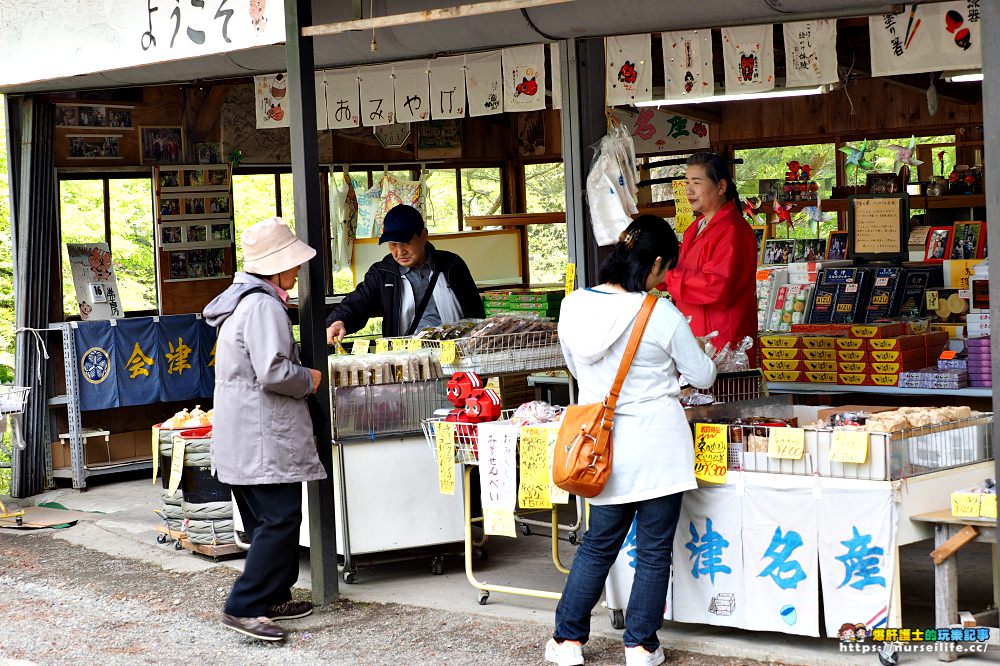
(808, 388)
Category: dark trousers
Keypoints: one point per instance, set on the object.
(272, 514)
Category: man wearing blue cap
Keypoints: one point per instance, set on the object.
(413, 287)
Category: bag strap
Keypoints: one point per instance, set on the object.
(422, 306)
(641, 320)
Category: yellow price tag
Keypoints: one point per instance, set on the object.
(176, 466)
(570, 278)
(444, 436)
(399, 344)
(988, 509)
(156, 451)
(381, 346)
(361, 347)
(966, 505)
(932, 300)
(711, 452)
(415, 345)
(788, 443)
(533, 491)
(447, 352)
(849, 447)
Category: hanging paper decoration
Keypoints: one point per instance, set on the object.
(377, 95)
(484, 83)
(555, 67)
(629, 75)
(447, 79)
(524, 78)
(748, 54)
(321, 115)
(343, 98)
(904, 155)
(687, 64)
(271, 99)
(412, 91)
(810, 53)
(660, 130)
(929, 37)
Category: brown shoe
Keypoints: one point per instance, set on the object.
(290, 610)
(261, 628)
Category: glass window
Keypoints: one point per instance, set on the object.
(287, 199)
(884, 157)
(763, 169)
(664, 192)
(132, 244)
(442, 201)
(482, 193)
(545, 192)
(253, 200)
(82, 219)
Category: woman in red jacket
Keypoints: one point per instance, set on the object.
(714, 280)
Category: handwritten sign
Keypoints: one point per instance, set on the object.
(444, 436)
(499, 522)
(498, 473)
(988, 508)
(447, 352)
(849, 447)
(415, 345)
(710, 452)
(381, 346)
(399, 344)
(683, 213)
(570, 278)
(787, 443)
(877, 225)
(556, 494)
(361, 347)
(965, 505)
(533, 491)
(176, 466)
(156, 451)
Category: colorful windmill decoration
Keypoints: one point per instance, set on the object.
(904, 155)
(750, 207)
(784, 214)
(856, 159)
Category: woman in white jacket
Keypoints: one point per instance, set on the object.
(653, 449)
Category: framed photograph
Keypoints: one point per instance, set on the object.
(92, 116)
(215, 263)
(178, 265)
(168, 178)
(778, 251)
(196, 263)
(938, 242)
(836, 245)
(194, 206)
(809, 249)
(161, 145)
(968, 240)
(94, 146)
(883, 183)
(218, 206)
(760, 231)
(222, 233)
(197, 233)
(217, 178)
(66, 116)
(119, 117)
(169, 207)
(171, 234)
(209, 153)
(194, 178)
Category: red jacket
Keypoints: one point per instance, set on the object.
(714, 281)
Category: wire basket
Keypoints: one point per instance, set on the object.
(502, 354)
(370, 411)
(466, 437)
(13, 399)
(737, 386)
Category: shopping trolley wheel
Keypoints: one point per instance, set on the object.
(573, 538)
(617, 618)
(888, 654)
(525, 529)
(482, 554)
(20, 521)
(484, 596)
(161, 538)
(349, 577)
(178, 545)
(437, 566)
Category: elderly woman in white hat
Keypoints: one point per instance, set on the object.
(262, 442)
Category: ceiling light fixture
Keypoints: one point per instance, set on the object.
(740, 97)
(967, 76)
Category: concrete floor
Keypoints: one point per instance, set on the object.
(128, 530)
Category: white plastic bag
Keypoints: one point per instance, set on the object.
(607, 215)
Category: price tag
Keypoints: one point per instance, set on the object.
(965, 505)
(176, 466)
(932, 300)
(533, 491)
(948, 355)
(570, 278)
(849, 447)
(361, 347)
(711, 452)
(988, 508)
(788, 443)
(444, 436)
(381, 346)
(399, 344)
(156, 451)
(447, 352)
(415, 345)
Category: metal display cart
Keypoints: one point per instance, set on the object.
(12, 402)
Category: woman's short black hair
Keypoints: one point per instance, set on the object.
(633, 256)
(717, 169)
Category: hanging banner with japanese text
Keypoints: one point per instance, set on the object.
(484, 83)
(322, 121)
(856, 554)
(524, 78)
(708, 557)
(687, 64)
(629, 75)
(377, 95)
(411, 89)
(138, 370)
(927, 37)
(659, 130)
(497, 476)
(96, 360)
(810, 53)
(343, 98)
(748, 54)
(780, 537)
(179, 355)
(555, 67)
(94, 281)
(271, 101)
(447, 88)
(209, 338)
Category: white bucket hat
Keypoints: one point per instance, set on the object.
(270, 247)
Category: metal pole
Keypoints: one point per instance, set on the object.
(312, 301)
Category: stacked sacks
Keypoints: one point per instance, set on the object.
(183, 420)
(207, 505)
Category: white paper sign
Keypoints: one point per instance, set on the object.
(524, 78)
(927, 38)
(412, 91)
(484, 83)
(687, 64)
(447, 87)
(343, 98)
(497, 475)
(810, 53)
(377, 95)
(90, 264)
(629, 75)
(748, 53)
(856, 555)
(271, 99)
(659, 130)
(555, 66)
(321, 115)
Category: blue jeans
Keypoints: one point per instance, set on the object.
(656, 520)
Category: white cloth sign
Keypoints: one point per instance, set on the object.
(659, 130)
(524, 78)
(484, 83)
(618, 586)
(927, 38)
(447, 88)
(555, 67)
(377, 95)
(412, 91)
(498, 469)
(810, 53)
(856, 554)
(780, 554)
(322, 122)
(94, 281)
(629, 75)
(708, 558)
(343, 98)
(271, 101)
(687, 64)
(748, 54)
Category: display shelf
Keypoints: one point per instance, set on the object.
(843, 205)
(805, 387)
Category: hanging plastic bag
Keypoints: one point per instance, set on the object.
(368, 204)
(608, 217)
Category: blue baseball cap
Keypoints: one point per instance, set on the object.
(401, 224)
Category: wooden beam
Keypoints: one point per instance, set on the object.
(952, 545)
(393, 20)
(525, 219)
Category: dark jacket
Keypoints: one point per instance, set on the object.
(380, 295)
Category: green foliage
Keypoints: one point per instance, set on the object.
(545, 193)
(6, 246)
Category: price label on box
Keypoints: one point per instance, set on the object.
(381, 346)
(710, 452)
(361, 346)
(570, 278)
(415, 345)
(447, 352)
(444, 436)
(399, 345)
(787, 443)
(965, 505)
(849, 447)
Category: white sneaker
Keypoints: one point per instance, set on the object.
(566, 653)
(638, 656)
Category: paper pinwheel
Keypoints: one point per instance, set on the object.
(783, 213)
(856, 158)
(904, 155)
(750, 206)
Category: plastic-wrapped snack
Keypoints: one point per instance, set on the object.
(722, 358)
(378, 372)
(695, 399)
(740, 362)
(535, 412)
(847, 419)
(352, 372)
(364, 371)
(343, 378)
